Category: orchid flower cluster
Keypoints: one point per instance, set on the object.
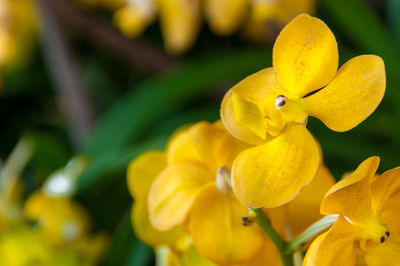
(180, 20)
(49, 227)
(252, 188)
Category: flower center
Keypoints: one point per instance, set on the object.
(292, 110)
(374, 234)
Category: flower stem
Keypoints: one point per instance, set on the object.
(16, 163)
(311, 232)
(264, 223)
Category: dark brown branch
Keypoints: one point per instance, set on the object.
(74, 100)
(102, 34)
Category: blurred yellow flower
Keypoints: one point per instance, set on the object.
(180, 19)
(267, 17)
(367, 231)
(270, 109)
(20, 246)
(60, 219)
(135, 16)
(51, 229)
(17, 31)
(194, 191)
(225, 16)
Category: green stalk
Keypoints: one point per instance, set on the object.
(311, 232)
(264, 223)
(15, 164)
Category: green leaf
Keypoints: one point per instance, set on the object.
(115, 161)
(361, 25)
(150, 100)
(393, 11)
(365, 30)
(107, 167)
(168, 125)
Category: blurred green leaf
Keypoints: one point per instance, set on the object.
(50, 154)
(149, 101)
(393, 11)
(365, 29)
(344, 151)
(171, 123)
(103, 167)
(115, 161)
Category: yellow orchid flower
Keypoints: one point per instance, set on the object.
(140, 175)
(133, 17)
(20, 246)
(179, 19)
(225, 16)
(64, 226)
(60, 219)
(367, 231)
(266, 17)
(303, 210)
(270, 109)
(180, 23)
(60, 236)
(172, 247)
(194, 191)
(58, 216)
(17, 31)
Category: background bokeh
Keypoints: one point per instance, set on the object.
(79, 86)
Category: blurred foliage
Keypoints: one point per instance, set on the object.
(137, 110)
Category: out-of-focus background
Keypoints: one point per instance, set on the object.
(114, 78)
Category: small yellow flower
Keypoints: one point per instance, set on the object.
(270, 109)
(268, 16)
(194, 191)
(180, 23)
(135, 16)
(367, 231)
(225, 16)
(60, 219)
(17, 31)
(179, 19)
(20, 246)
